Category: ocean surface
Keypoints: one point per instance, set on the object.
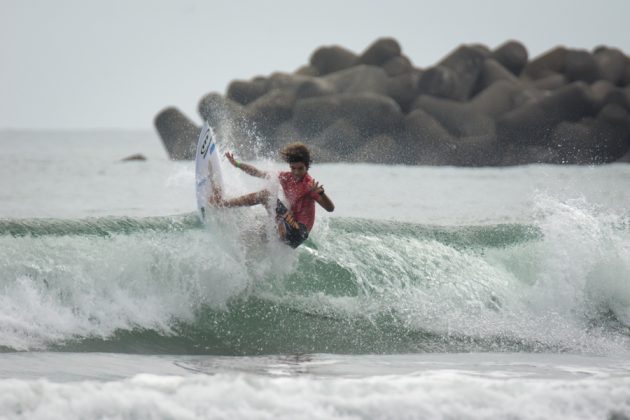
(430, 292)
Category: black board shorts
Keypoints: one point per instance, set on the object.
(293, 237)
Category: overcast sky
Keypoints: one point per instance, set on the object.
(85, 64)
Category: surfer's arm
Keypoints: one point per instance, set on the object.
(247, 168)
(321, 197)
(326, 202)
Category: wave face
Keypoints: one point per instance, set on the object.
(171, 285)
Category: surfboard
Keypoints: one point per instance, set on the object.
(207, 168)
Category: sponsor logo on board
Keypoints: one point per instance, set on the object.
(205, 144)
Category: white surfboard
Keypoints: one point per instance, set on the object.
(207, 168)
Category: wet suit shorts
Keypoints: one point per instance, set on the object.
(294, 236)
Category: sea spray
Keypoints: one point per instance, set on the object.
(171, 285)
(587, 258)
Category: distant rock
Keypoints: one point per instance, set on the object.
(380, 52)
(134, 157)
(512, 55)
(178, 133)
(478, 106)
(244, 92)
(331, 59)
(466, 62)
(531, 123)
(492, 72)
(359, 79)
(611, 64)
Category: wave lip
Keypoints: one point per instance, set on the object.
(170, 285)
(101, 226)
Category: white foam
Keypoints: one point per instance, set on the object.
(57, 288)
(431, 394)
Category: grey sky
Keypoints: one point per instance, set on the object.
(116, 63)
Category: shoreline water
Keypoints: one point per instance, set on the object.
(318, 386)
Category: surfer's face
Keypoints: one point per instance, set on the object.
(298, 170)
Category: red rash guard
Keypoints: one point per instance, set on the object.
(301, 199)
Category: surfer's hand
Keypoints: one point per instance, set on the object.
(230, 157)
(316, 187)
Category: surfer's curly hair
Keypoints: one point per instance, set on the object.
(296, 152)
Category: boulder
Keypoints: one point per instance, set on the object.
(593, 141)
(613, 95)
(550, 62)
(460, 120)
(532, 123)
(271, 109)
(492, 72)
(286, 81)
(359, 79)
(314, 87)
(616, 96)
(501, 97)
(178, 133)
(574, 142)
(219, 111)
(425, 141)
(512, 154)
(307, 71)
(512, 55)
(244, 92)
(380, 52)
(312, 115)
(479, 150)
(611, 64)
(403, 89)
(482, 49)
(342, 139)
(625, 76)
(371, 113)
(466, 62)
(552, 81)
(439, 81)
(398, 65)
(331, 59)
(600, 91)
(625, 158)
(580, 65)
(615, 115)
(285, 133)
(319, 155)
(229, 120)
(381, 149)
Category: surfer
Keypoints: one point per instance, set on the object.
(300, 190)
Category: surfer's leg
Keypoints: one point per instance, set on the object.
(282, 230)
(217, 196)
(292, 235)
(290, 231)
(282, 213)
(260, 197)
